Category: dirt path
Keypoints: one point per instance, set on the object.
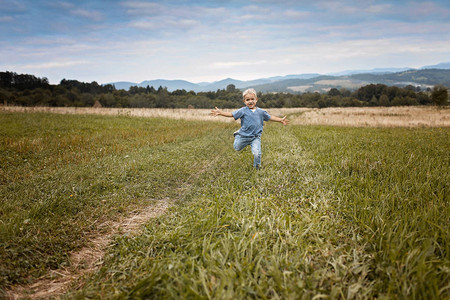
(87, 259)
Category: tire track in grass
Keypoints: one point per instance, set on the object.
(282, 232)
(272, 233)
(90, 258)
(292, 201)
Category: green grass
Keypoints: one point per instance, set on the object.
(62, 176)
(334, 213)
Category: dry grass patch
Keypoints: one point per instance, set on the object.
(409, 116)
(398, 116)
(169, 113)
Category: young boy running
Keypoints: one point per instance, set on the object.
(252, 120)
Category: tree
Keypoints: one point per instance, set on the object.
(439, 95)
(410, 87)
(334, 92)
(384, 100)
(344, 92)
(374, 101)
(231, 88)
(179, 92)
(6, 79)
(423, 98)
(366, 93)
(4, 97)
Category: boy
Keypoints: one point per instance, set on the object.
(252, 119)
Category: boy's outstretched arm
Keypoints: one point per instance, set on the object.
(218, 112)
(283, 120)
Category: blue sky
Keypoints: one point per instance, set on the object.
(133, 40)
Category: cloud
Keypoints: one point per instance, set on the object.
(255, 9)
(6, 19)
(163, 19)
(158, 23)
(338, 8)
(142, 8)
(92, 15)
(234, 64)
(55, 64)
(378, 9)
(78, 11)
(422, 10)
(9, 6)
(296, 14)
(137, 40)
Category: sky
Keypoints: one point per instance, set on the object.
(205, 41)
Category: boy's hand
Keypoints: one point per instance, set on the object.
(218, 112)
(283, 120)
(215, 112)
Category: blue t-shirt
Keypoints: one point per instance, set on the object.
(251, 121)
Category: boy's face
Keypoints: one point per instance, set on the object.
(250, 100)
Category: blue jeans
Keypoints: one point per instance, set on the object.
(241, 142)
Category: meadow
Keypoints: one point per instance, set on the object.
(335, 212)
(394, 116)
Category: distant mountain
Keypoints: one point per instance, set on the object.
(171, 85)
(352, 79)
(123, 85)
(294, 85)
(372, 71)
(424, 78)
(445, 65)
(221, 85)
(298, 76)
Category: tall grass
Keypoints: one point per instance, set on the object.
(394, 185)
(334, 213)
(395, 116)
(63, 176)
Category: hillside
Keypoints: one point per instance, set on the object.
(423, 78)
(413, 77)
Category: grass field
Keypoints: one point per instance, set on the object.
(336, 212)
(395, 116)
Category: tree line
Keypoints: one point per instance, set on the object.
(29, 90)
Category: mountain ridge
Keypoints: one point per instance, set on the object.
(314, 82)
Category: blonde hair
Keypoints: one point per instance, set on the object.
(249, 91)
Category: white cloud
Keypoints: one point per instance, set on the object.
(92, 15)
(255, 9)
(142, 8)
(338, 7)
(139, 40)
(6, 19)
(51, 65)
(380, 8)
(12, 6)
(420, 9)
(234, 64)
(164, 23)
(63, 4)
(296, 14)
(78, 11)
